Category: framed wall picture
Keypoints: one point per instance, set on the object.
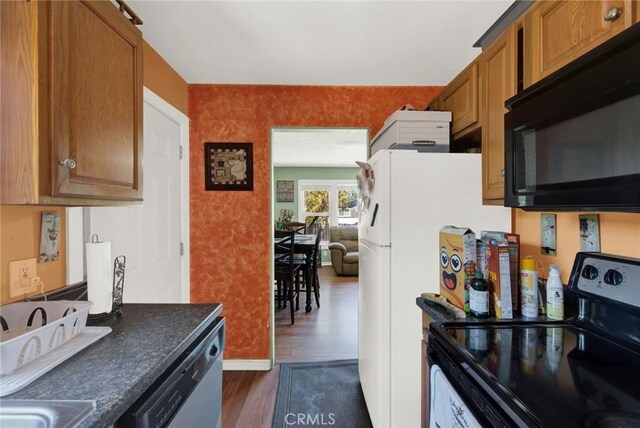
(284, 191)
(228, 166)
(589, 232)
(549, 234)
(49, 237)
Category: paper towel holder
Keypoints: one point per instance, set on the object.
(117, 294)
(119, 265)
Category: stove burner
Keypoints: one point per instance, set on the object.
(611, 419)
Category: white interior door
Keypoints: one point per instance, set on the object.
(149, 236)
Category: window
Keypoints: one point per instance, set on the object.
(325, 203)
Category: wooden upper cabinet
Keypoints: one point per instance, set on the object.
(87, 109)
(18, 102)
(557, 32)
(460, 97)
(96, 101)
(436, 103)
(498, 71)
(636, 8)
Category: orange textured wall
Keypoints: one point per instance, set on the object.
(20, 239)
(619, 234)
(231, 231)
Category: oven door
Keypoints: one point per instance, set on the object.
(447, 408)
(455, 399)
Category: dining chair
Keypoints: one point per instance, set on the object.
(313, 269)
(310, 271)
(280, 233)
(297, 227)
(287, 270)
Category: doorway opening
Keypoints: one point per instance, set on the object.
(314, 183)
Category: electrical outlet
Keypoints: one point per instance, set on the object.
(21, 274)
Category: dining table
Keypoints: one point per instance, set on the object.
(304, 244)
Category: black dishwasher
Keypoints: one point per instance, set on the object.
(189, 393)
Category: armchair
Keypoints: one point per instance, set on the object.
(343, 243)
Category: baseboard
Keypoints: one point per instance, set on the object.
(250, 365)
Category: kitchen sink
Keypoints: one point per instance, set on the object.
(43, 414)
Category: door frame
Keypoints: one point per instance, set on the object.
(77, 226)
(272, 217)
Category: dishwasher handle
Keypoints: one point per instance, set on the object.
(213, 351)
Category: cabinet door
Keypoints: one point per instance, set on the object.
(19, 129)
(95, 96)
(499, 77)
(460, 97)
(557, 32)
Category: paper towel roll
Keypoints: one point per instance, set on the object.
(99, 276)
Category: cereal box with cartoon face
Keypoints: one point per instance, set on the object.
(457, 264)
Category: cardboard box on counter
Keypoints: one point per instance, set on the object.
(512, 240)
(457, 264)
(499, 278)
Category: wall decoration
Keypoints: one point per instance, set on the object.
(228, 166)
(284, 191)
(589, 232)
(49, 234)
(548, 230)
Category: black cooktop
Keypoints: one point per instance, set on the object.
(561, 374)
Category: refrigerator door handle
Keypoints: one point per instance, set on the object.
(375, 214)
(373, 244)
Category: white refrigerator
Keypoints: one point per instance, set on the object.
(413, 195)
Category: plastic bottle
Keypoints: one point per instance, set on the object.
(555, 294)
(479, 296)
(528, 288)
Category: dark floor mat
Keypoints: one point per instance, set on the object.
(320, 394)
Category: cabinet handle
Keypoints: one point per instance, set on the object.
(502, 172)
(612, 14)
(68, 163)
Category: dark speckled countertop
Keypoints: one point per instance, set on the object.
(440, 314)
(436, 312)
(118, 368)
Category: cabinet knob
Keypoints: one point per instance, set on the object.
(502, 172)
(612, 14)
(68, 163)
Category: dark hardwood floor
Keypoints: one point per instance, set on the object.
(248, 398)
(330, 333)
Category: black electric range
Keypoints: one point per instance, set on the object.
(584, 372)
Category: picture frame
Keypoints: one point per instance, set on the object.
(589, 232)
(548, 234)
(284, 190)
(228, 166)
(50, 237)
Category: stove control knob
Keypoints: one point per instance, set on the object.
(613, 277)
(590, 272)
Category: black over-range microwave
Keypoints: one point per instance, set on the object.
(572, 140)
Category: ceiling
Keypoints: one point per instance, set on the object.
(319, 147)
(318, 42)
